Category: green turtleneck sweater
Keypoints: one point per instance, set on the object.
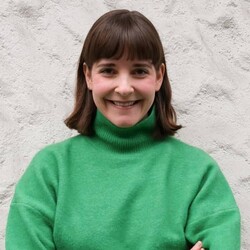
(121, 189)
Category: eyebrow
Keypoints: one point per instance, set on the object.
(106, 65)
(147, 65)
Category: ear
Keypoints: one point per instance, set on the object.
(159, 76)
(87, 73)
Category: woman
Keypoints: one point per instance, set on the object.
(125, 182)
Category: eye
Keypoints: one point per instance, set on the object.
(140, 72)
(108, 71)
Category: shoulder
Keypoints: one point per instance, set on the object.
(58, 152)
(62, 147)
(48, 160)
(189, 157)
(190, 152)
(199, 168)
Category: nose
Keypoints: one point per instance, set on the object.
(124, 87)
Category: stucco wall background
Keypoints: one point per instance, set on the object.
(207, 46)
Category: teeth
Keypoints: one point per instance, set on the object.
(124, 104)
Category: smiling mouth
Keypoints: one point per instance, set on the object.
(124, 104)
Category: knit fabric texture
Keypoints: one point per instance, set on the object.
(121, 189)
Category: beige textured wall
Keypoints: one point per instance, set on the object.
(208, 57)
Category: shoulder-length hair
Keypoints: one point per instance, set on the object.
(113, 34)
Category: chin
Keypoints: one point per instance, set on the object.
(121, 124)
(124, 125)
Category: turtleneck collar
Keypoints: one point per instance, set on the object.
(121, 139)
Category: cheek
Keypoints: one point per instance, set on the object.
(147, 88)
(100, 87)
(99, 90)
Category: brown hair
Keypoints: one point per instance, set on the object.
(110, 36)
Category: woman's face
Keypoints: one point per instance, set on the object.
(124, 90)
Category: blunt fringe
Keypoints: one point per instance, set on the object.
(114, 34)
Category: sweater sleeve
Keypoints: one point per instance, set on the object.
(31, 215)
(214, 217)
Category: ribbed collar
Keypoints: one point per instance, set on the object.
(125, 139)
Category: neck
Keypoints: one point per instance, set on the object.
(121, 139)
